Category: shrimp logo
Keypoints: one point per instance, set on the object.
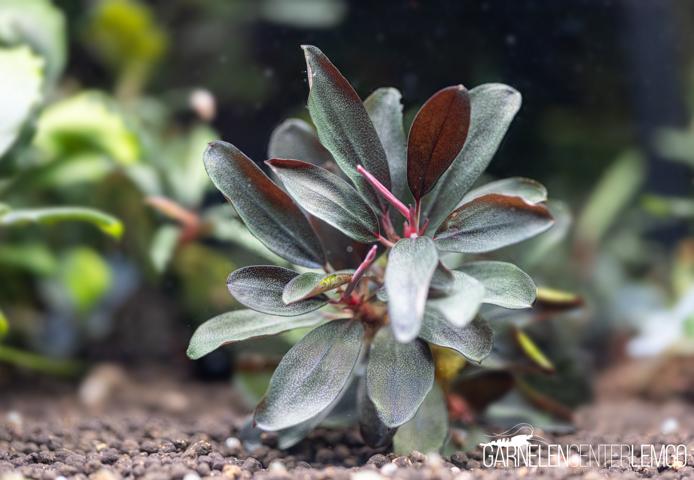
(510, 448)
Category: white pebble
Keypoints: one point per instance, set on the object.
(191, 476)
(389, 469)
(276, 467)
(232, 443)
(365, 475)
(15, 418)
(669, 425)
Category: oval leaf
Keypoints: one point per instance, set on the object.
(398, 377)
(492, 107)
(328, 197)
(311, 375)
(243, 324)
(374, 432)
(385, 111)
(473, 341)
(108, 224)
(310, 284)
(295, 138)
(461, 305)
(343, 125)
(491, 222)
(525, 188)
(411, 264)
(261, 288)
(428, 430)
(505, 284)
(436, 137)
(267, 211)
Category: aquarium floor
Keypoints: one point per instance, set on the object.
(155, 428)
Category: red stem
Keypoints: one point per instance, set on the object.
(365, 264)
(385, 193)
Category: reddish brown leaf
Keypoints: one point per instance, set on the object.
(436, 137)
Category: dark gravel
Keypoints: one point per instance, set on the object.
(157, 430)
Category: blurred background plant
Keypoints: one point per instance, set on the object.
(108, 104)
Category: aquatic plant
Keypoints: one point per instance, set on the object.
(359, 188)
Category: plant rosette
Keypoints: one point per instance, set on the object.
(374, 212)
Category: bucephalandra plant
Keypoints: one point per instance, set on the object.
(360, 186)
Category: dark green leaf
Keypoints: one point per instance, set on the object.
(267, 211)
(436, 137)
(525, 188)
(343, 125)
(312, 375)
(50, 215)
(261, 288)
(428, 430)
(504, 283)
(491, 222)
(310, 284)
(385, 110)
(492, 107)
(328, 197)
(442, 282)
(398, 377)
(462, 303)
(473, 341)
(374, 432)
(411, 264)
(243, 324)
(296, 139)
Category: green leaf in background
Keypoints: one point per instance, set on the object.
(87, 122)
(33, 257)
(473, 341)
(296, 139)
(343, 125)
(268, 212)
(163, 246)
(21, 81)
(39, 24)
(529, 190)
(398, 377)
(50, 215)
(460, 306)
(385, 111)
(4, 325)
(613, 193)
(304, 13)
(436, 137)
(85, 276)
(504, 283)
(261, 288)
(310, 284)
(428, 430)
(311, 375)
(328, 197)
(241, 325)
(411, 264)
(38, 363)
(492, 108)
(532, 351)
(491, 222)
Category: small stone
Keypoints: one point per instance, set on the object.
(402, 462)
(252, 465)
(231, 471)
(104, 474)
(459, 459)
(198, 448)
(365, 475)
(669, 425)
(100, 384)
(389, 469)
(203, 469)
(378, 460)
(233, 443)
(417, 456)
(325, 455)
(191, 476)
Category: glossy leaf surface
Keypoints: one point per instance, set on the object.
(411, 264)
(261, 288)
(385, 111)
(436, 137)
(505, 284)
(460, 306)
(529, 190)
(241, 325)
(398, 377)
(328, 197)
(311, 375)
(343, 125)
(473, 341)
(492, 107)
(268, 212)
(491, 222)
(310, 284)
